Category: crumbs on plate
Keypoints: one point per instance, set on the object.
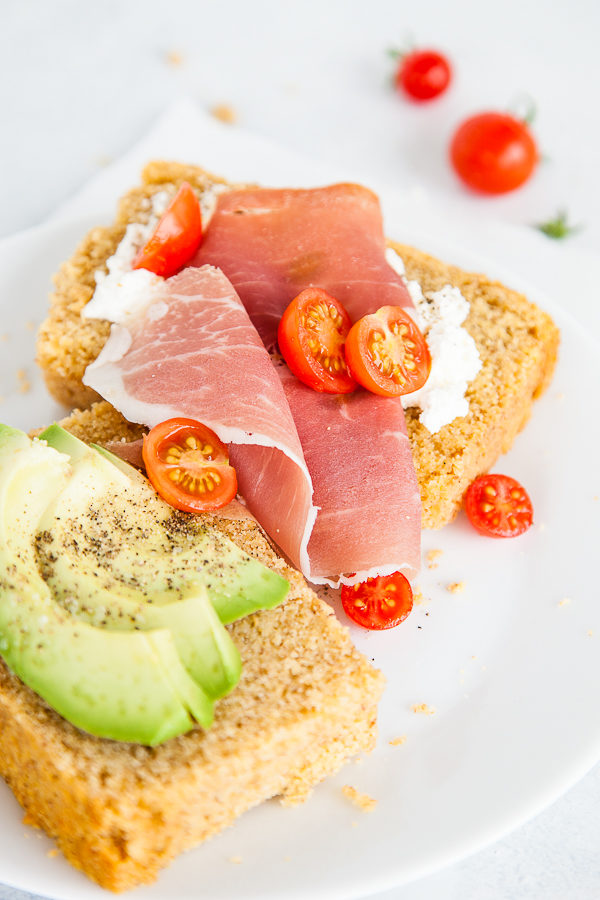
(397, 741)
(173, 58)
(362, 801)
(457, 587)
(418, 597)
(224, 113)
(24, 382)
(422, 709)
(433, 558)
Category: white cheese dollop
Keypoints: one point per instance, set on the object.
(123, 292)
(455, 360)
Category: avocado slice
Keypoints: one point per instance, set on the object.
(107, 596)
(237, 583)
(119, 531)
(125, 686)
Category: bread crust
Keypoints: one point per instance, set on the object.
(517, 342)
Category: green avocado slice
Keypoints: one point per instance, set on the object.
(237, 583)
(109, 600)
(79, 670)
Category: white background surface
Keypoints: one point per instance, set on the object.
(81, 83)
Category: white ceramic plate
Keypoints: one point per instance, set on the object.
(512, 672)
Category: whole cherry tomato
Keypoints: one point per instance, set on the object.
(423, 74)
(493, 152)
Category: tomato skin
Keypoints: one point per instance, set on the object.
(423, 74)
(176, 237)
(498, 506)
(387, 354)
(311, 337)
(493, 153)
(378, 603)
(188, 466)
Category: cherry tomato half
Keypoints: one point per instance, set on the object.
(498, 506)
(387, 353)
(189, 466)
(378, 603)
(423, 74)
(311, 337)
(176, 237)
(493, 153)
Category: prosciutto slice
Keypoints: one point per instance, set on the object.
(273, 243)
(336, 497)
(193, 352)
(357, 450)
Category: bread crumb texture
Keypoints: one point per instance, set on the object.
(306, 702)
(363, 801)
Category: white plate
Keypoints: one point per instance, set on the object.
(512, 673)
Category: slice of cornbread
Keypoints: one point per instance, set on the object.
(307, 700)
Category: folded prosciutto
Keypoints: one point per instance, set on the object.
(329, 478)
(272, 243)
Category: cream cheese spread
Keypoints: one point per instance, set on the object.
(455, 360)
(122, 292)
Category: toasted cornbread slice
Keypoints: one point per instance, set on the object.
(307, 700)
(517, 343)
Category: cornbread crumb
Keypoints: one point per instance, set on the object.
(456, 587)
(418, 597)
(433, 557)
(224, 113)
(4, 337)
(362, 801)
(174, 58)
(236, 860)
(24, 382)
(564, 601)
(423, 709)
(398, 741)
(590, 633)
(52, 853)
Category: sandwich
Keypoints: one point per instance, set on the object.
(121, 808)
